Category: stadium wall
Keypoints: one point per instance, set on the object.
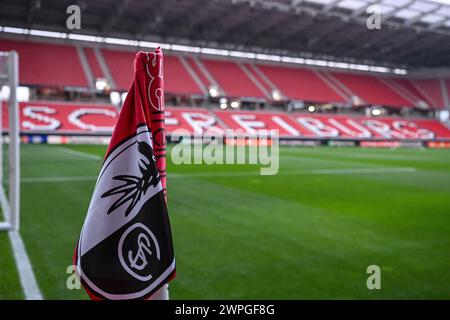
(53, 122)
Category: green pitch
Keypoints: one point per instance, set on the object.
(309, 232)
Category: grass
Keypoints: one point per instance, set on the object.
(307, 233)
(9, 280)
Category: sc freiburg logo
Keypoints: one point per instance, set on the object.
(134, 187)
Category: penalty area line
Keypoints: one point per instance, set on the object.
(339, 171)
(26, 274)
(58, 179)
(80, 154)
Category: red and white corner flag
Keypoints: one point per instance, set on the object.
(125, 248)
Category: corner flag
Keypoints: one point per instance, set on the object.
(125, 247)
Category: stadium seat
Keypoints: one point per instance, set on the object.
(411, 90)
(194, 67)
(300, 84)
(447, 87)
(431, 88)
(232, 79)
(176, 78)
(93, 62)
(120, 67)
(64, 118)
(47, 64)
(258, 76)
(60, 65)
(371, 89)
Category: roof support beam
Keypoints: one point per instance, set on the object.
(420, 16)
(438, 24)
(363, 9)
(115, 15)
(330, 6)
(33, 7)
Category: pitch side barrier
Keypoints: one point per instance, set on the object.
(321, 141)
(103, 138)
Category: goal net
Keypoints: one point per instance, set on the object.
(10, 142)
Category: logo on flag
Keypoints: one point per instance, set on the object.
(125, 248)
(135, 186)
(138, 251)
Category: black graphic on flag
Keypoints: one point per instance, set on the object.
(135, 186)
(125, 249)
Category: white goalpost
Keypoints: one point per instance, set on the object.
(10, 188)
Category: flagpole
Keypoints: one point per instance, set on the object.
(161, 294)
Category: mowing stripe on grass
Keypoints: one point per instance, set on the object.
(239, 174)
(296, 172)
(81, 154)
(365, 170)
(26, 274)
(57, 179)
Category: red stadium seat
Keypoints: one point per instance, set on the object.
(63, 118)
(94, 65)
(447, 87)
(411, 89)
(232, 79)
(258, 76)
(431, 88)
(120, 64)
(371, 89)
(59, 65)
(193, 65)
(177, 80)
(300, 84)
(47, 64)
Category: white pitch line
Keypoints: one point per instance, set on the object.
(26, 274)
(57, 179)
(81, 154)
(365, 170)
(296, 172)
(236, 174)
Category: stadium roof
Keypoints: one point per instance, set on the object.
(413, 34)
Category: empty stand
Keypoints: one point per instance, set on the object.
(232, 79)
(195, 68)
(411, 90)
(338, 87)
(47, 64)
(60, 118)
(251, 122)
(64, 118)
(431, 88)
(120, 64)
(300, 84)
(371, 89)
(177, 80)
(447, 88)
(50, 64)
(94, 65)
(263, 81)
(192, 120)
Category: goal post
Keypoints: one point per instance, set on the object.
(10, 189)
